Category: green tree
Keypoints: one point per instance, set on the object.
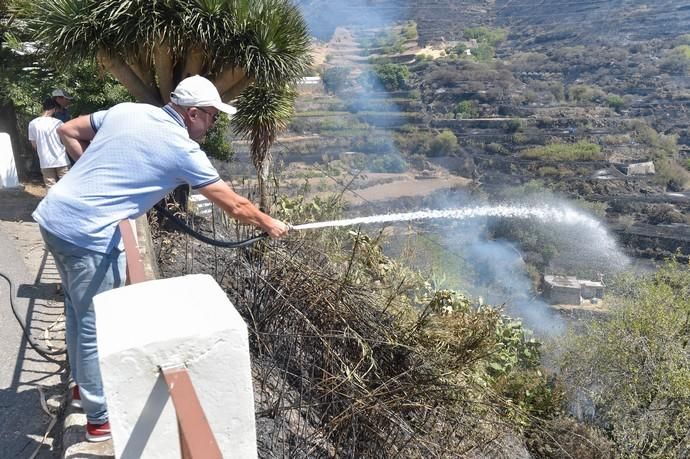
(391, 76)
(635, 366)
(335, 79)
(615, 101)
(28, 75)
(466, 109)
(444, 144)
(150, 46)
(677, 60)
(409, 30)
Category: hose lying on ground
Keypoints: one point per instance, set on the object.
(48, 353)
(42, 351)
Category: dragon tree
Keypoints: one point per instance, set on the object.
(252, 50)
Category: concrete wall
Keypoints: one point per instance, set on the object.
(8, 169)
(179, 321)
(561, 295)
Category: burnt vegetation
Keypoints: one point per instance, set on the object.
(358, 354)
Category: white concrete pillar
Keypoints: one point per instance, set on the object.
(184, 320)
(8, 170)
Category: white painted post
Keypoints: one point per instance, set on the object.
(184, 320)
(8, 170)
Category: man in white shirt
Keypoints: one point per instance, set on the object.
(46, 141)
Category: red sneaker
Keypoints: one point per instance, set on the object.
(76, 397)
(98, 432)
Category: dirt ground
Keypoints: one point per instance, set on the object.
(16, 206)
(405, 185)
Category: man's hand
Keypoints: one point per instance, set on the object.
(240, 208)
(277, 229)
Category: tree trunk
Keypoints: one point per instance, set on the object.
(164, 66)
(237, 88)
(125, 75)
(227, 79)
(193, 63)
(263, 178)
(144, 72)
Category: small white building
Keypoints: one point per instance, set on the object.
(559, 289)
(8, 170)
(309, 81)
(310, 84)
(646, 168)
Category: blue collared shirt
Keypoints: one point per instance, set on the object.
(63, 115)
(140, 154)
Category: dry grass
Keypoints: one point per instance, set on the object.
(343, 365)
(345, 362)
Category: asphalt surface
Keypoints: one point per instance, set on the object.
(26, 379)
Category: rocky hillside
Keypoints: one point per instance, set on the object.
(602, 84)
(575, 21)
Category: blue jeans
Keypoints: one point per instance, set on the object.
(84, 274)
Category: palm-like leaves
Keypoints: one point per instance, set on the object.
(262, 112)
(150, 45)
(266, 40)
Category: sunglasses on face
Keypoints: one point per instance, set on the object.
(215, 116)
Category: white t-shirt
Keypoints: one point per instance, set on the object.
(51, 151)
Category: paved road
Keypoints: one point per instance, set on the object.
(25, 378)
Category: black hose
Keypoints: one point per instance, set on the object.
(43, 352)
(47, 353)
(215, 242)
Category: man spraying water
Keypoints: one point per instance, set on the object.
(127, 159)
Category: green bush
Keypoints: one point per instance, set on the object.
(518, 138)
(515, 125)
(497, 148)
(413, 141)
(409, 30)
(677, 60)
(390, 163)
(486, 35)
(458, 49)
(585, 93)
(444, 144)
(671, 174)
(616, 102)
(483, 52)
(466, 109)
(423, 58)
(392, 76)
(336, 79)
(634, 367)
(580, 151)
(548, 171)
(662, 145)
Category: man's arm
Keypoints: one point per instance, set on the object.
(33, 144)
(242, 209)
(76, 135)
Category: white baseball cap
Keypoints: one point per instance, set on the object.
(197, 91)
(61, 93)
